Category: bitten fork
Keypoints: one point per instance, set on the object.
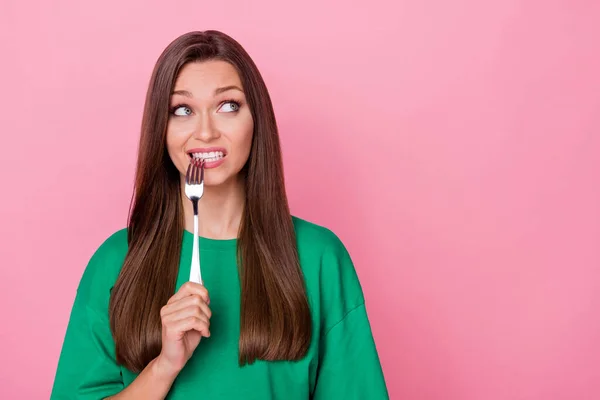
(194, 189)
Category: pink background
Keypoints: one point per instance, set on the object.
(453, 146)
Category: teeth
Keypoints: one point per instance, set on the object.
(212, 156)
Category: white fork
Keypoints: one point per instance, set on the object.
(194, 189)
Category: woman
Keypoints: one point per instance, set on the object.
(281, 313)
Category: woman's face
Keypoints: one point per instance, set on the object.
(210, 119)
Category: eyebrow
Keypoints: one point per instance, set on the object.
(217, 91)
(227, 88)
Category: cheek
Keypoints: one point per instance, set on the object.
(245, 144)
(239, 134)
(177, 133)
(247, 131)
(171, 143)
(248, 145)
(176, 139)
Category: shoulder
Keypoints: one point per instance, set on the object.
(318, 242)
(316, 238)
(328, 269)
(103, 270)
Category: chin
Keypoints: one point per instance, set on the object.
(214, 181)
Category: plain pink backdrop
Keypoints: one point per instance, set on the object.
(453, 146)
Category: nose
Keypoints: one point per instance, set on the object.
(205, 129)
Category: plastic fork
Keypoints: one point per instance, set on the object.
(194, 189)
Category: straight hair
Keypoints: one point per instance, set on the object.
(275, 321)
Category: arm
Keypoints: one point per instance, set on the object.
(87, 367)
(349, 366)
(185, 319)
(154, 382)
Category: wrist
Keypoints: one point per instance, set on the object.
(163, 370)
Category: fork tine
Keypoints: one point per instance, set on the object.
(201, 172)
(197, 175)
(194, 171)
(188, 175)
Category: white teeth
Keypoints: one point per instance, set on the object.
(212, 156)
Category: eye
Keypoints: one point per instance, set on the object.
(230, 106)
(181, 111)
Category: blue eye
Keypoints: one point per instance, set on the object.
(182, 111)
(230, 106)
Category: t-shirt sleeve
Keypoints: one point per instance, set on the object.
(349, 367)
(87, 367)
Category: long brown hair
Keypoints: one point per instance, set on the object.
(275, 316)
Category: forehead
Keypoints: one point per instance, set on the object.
(202, 78)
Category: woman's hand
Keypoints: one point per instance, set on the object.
(185, 319)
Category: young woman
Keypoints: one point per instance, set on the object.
(280, 314)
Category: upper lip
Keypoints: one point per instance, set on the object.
(207, 150)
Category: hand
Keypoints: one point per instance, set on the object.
(185, 319)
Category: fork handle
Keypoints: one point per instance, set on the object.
(195, 274)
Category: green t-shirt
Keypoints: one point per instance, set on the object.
(342, 361)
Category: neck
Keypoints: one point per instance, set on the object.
(219, 211)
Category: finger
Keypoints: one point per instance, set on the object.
(190, 288)
(188, 324)
(190, 311)
(191, 300)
